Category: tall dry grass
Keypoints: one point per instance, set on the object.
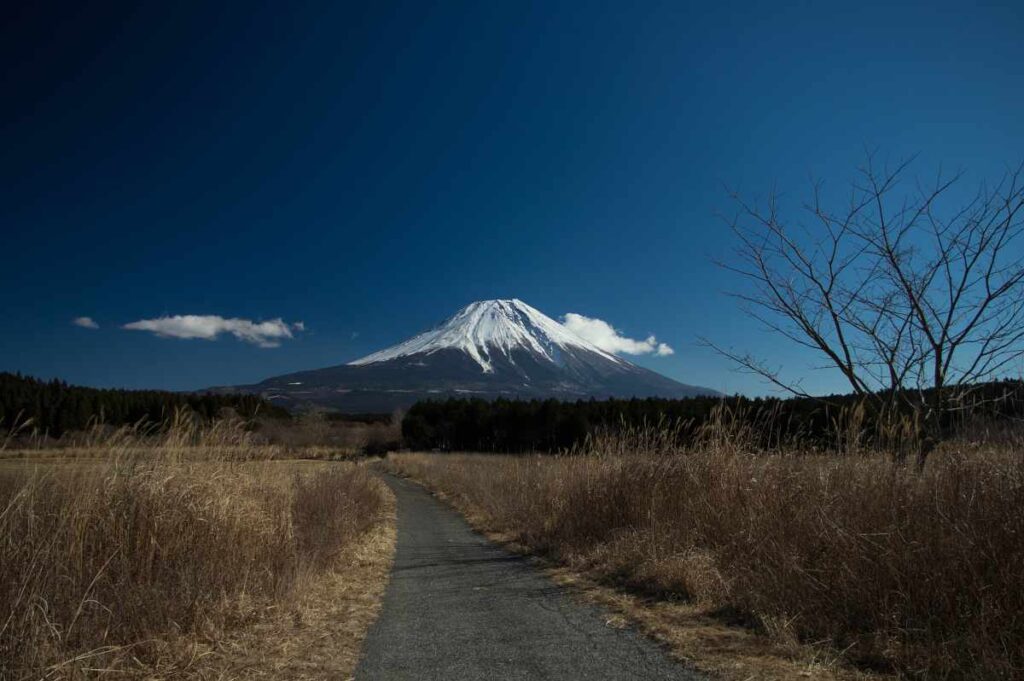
(183, 436)
(894, 567)
(309, 436)
(105, 563)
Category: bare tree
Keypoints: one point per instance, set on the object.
(912, 301)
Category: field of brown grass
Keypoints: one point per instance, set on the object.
(166, 557)
(308, 436)
(878, 566)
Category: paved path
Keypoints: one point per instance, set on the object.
(459, 607)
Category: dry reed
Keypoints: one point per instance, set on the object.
(185, 533)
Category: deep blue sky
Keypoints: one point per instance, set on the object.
(370, 169)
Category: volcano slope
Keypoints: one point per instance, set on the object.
(489, 349)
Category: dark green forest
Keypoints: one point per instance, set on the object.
(55, 407)
(551, 426)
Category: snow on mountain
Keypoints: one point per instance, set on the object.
(489, 349)
(487, 326)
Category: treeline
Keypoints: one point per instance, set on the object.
(55, 407)
(551, 425)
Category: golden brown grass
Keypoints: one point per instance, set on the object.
(310, 436)
(318, 634)
(881, 565)
(130, 560)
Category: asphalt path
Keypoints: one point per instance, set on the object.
(459, 607)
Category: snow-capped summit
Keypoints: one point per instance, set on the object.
(492, 326)
(489, 349)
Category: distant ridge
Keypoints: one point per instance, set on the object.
(489, 349)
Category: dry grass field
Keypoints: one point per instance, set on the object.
(186, 554)
(853, 560)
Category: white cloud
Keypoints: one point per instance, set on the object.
(267, 334)
(85, 322)
(603, 335)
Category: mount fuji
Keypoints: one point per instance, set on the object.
(489, 349)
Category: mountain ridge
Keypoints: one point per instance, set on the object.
(490, 349)
(501, 323)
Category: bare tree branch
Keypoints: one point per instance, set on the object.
(900, 294)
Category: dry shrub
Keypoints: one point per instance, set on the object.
(330, 509)
(102, 563)
(918, 571)
(316, 432)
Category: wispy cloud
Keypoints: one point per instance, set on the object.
(85, 322)
(603, 335)
(265, 334)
